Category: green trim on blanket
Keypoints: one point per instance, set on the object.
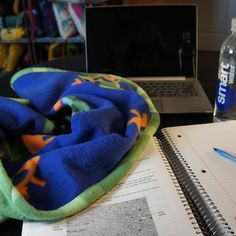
(21, 100)
(16, 205)
(32, 69)
(76, 104)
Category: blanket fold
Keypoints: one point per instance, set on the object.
(68, 139)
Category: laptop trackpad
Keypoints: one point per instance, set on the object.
(158, 104)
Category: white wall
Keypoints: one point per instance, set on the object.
(214, 22)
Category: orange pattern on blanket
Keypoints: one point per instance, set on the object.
(30, 166)
(94, 79)
(34, 143)
(140, 121)
(104, 77)
(77, 81)
(57, 105)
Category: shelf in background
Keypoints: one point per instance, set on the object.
(83, 1)
(75, 39)
(23, 40)
(72, 1)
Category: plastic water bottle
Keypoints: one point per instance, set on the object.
(225, 102)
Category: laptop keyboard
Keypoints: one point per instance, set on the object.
(168, 89)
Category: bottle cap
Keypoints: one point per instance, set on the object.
(233, 24)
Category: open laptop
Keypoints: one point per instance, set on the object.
(153, 45)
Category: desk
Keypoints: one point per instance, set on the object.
(208, 64)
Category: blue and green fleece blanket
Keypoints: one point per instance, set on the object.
(67, 140)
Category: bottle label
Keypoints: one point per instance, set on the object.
(225, 96)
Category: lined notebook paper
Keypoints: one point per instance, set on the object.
(213, 179)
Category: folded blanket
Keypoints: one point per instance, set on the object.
(68, 139)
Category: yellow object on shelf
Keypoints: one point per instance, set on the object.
(12, 33)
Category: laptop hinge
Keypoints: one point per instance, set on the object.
(159, 78)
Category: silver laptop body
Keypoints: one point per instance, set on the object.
(153, 45)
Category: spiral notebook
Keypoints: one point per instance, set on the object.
(179, 187)
(207, 180)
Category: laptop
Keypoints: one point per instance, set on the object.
(152, 45)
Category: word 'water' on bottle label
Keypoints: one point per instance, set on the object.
(225, 97)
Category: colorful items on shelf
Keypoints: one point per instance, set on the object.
(65, 23)
(23, 21)
(13, 27)
(77, 14)
(45, 18)
(10, 34)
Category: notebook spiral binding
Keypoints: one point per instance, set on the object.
(179, 190)
(209, 218)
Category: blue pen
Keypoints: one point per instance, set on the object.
(225, 154)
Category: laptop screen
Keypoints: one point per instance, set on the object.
(135, 41)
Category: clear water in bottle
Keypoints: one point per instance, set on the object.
(225, 101)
